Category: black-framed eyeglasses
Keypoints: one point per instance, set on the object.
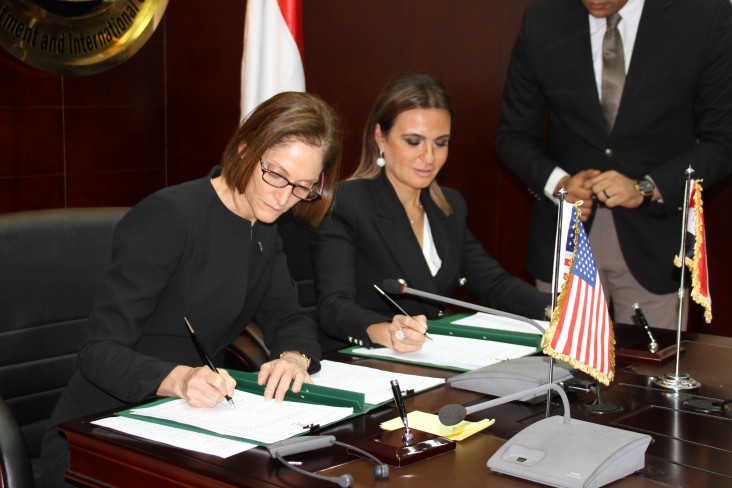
(279, 181)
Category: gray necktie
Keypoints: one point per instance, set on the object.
(613, 71)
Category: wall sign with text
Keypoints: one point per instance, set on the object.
(77, 37)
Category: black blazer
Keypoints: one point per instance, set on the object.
(676, 111)
(181, 253)
(368, 239)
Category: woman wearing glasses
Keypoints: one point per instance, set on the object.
(392, 220)
(207, 250)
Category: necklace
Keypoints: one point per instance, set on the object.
(421, 210)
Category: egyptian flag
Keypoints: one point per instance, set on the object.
(695, 255)
(272, 61)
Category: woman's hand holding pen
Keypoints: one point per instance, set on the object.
(403, 333)
(199, 387)
(279, 373)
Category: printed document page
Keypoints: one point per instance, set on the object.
(254, 418)
(375, 384)
(488, 321)
(173, 436)
(456, 352)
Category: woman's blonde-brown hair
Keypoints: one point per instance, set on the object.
(284, 118)
(405, 91)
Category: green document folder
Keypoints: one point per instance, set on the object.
(446, 326)
(313, 394)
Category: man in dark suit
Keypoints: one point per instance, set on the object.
(673, 110)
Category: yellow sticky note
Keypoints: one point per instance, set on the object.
(427, 422)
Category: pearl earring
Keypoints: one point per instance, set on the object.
(380, 160)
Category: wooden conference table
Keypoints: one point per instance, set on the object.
(689, 448)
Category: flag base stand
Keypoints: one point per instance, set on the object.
(707, 406)
(601, 407)
(597, 406)
(677, 382)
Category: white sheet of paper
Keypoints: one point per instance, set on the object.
(488, 321)
(375, 384)
(254, 418)
(456, 352)
(184, 439)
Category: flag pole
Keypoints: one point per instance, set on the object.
(681, 381)
(562, 193)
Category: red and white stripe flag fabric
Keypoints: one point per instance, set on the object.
(273, 53)
(580, 331)
(696, 251)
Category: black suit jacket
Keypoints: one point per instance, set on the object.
(368, 239)
(676, 111)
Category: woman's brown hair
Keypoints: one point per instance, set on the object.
(287, 117)
(405, 91)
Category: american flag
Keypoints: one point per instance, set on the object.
(580, 331)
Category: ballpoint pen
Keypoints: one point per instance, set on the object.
(399, 334)
(653, 346)
(399, 400)
(204, 357)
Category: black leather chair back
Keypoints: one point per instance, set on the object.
(15, 465)
(51, 265)
(296, 235)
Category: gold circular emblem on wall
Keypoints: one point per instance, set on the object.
(77, 37)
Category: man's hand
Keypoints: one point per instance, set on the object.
(579, 188)
(616, 190)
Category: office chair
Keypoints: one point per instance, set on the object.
(16, 470)
(51, 265)
(247, 352)
(296, 235)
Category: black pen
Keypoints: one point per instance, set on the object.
(653, 346)
(204, 357)
(401, 310)
(399, 400)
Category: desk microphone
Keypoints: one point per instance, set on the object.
(557, 451)
(453, 413)
(296, 445)
(396, 288)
